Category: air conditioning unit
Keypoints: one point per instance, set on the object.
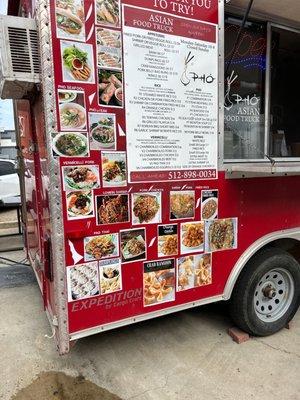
(19, 56)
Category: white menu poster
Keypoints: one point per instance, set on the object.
(171, 96)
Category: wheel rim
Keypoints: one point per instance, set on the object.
(273, 295)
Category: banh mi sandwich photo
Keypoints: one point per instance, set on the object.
(68, 22)
(108, 12)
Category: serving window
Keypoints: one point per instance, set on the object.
(261, 99)
(244, 102)
(284, 96)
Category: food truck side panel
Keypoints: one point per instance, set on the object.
(148, 275)
(125, 244)
(120, 262)
(255, 201)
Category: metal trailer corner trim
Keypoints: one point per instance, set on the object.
(57, 237)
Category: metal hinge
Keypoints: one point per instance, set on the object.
(32, 148)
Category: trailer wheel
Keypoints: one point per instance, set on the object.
(266, 295)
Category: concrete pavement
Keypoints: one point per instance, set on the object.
(186, 356)
(8, 220)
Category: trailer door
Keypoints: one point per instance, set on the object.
(28, 180)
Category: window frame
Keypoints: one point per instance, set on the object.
(270, 26)
(11, 165)
(260, 166)
(266, 100)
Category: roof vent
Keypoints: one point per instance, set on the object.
(19, 56)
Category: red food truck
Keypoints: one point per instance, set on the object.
(159, 157)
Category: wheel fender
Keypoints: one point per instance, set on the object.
(251, 251)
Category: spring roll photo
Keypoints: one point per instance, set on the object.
(117, 83)
(108, 93)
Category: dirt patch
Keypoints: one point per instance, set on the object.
(59, 386)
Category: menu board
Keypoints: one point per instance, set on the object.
(136, 140)
(171, 69)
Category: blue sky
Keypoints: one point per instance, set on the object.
(6, 109)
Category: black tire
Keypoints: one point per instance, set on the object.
(242, 307)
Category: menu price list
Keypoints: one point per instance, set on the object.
(171, 84)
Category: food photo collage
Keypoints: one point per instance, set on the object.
(177, 228)
(183, 246)
(85, 78)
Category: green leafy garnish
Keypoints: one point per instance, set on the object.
(72, 53)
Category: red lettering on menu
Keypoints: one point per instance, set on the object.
(201, 10)
(162, 23)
